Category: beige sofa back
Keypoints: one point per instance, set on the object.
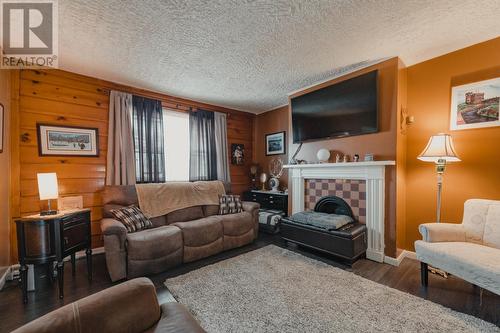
(117, 196)
(481, 222)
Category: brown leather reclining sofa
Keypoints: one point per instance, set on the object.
(131, 307)
(181, 236)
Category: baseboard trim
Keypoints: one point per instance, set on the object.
(397, 261)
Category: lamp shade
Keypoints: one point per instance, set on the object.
(47, 186)
(439, 147)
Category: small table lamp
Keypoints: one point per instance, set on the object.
(439, 150)
(48, 189)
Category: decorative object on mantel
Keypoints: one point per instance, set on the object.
(293, 160)
(276, 143)
(263, 180)
(48, 190)
(1, 126)
(323, 155)
(55, 140)
(275, 170)
(237, 154)
(345, 159)
(356, 158)
(439, 150)
(369, 157)
(475, 105)
(337, 158)
(253, 175)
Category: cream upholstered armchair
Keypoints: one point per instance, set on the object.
(470, 250)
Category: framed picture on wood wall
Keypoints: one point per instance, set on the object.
(2, 111)
(475, 105)
(55, 140)
(275, 143)
(237, 154)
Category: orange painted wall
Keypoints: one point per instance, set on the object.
(429, 95)
(270, 122)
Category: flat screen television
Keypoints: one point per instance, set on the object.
(343, 109)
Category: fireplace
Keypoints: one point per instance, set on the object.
(309, 182)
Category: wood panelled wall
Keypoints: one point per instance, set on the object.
(59, 97)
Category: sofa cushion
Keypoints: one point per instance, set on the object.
(185, 214)
(175, 317)
(475, 211)
(117, 196)
(201, 232)
(492, 227)
(153, 243)
(477, 264)
(237, 224)
(159, 221)
(132, 218)
(209, 210)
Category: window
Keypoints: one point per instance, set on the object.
(176, 134)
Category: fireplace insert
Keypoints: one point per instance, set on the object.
(348, 242)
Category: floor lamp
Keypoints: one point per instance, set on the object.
(439, 150)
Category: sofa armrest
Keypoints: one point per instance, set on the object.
(114, 236)
(250, 206)
(111, 226)
(253, 209)
(442, 232)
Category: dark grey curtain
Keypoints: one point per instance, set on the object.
(147, 119)
(203, 154)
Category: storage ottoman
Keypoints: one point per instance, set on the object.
(269, 220)
(348, 242)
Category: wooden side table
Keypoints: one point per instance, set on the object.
(45, 239)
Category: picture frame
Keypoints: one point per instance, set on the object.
(475, 105)
(276, 143)
(2, 121)
(237, 154)
(57, 140)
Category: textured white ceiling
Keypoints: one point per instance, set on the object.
(249, 54)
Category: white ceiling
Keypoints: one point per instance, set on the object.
(249, 54)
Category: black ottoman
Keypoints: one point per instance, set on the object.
(349, 242)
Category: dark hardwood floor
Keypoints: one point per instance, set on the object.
(452, 292)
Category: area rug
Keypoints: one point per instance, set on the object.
(275, 290)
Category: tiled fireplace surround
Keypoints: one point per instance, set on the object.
(360, 184)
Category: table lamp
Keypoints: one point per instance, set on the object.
(439, 150)
(48, 190)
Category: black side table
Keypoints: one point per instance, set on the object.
(45, 239)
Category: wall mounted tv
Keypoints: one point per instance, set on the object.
(343, 109)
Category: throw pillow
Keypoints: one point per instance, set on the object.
(230, 204)
(132, 218)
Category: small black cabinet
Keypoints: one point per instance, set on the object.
(51, 238)
(268, 199)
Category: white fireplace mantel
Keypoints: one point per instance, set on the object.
(372, 172)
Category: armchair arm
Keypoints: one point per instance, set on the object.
(442, 232)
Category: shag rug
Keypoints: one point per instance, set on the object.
(275, 290)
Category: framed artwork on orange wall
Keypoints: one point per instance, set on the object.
(475, 105)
